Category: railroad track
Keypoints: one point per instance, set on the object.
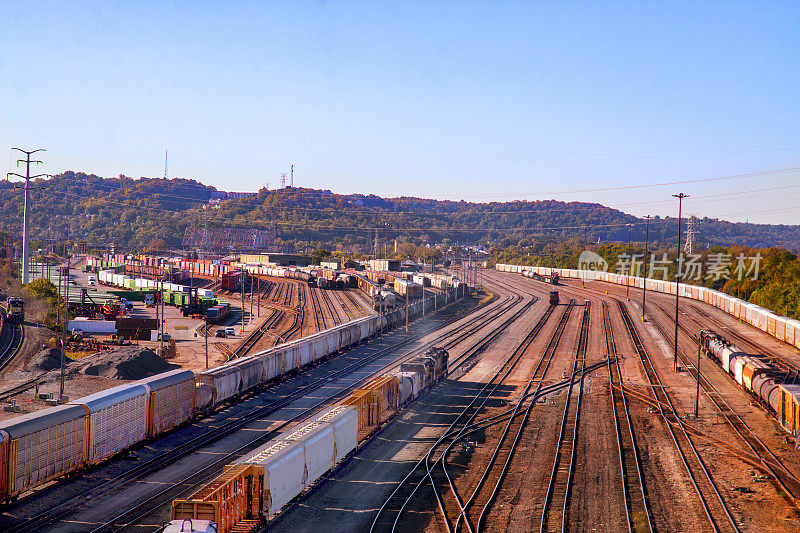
(345, 307)
(12, 337)
(637, 509)
(741, 341)
(783, 478)
(252, 339)
(559, 490)
(129, 517)
(297, 322)
(391, 511)
(708, 493)
(497, 468)
(757, 453)
(334, 313)
(319, 318)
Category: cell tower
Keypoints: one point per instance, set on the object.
(691, 233)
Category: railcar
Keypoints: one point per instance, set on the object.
(759, 377)
(15, 310)
(38, 447)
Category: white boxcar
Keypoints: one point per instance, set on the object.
(117, 419)
(41, 446)
(224, 382)
(284, 472)
(344, 420)
(171, 399)
(319, 444)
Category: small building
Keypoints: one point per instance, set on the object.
(384, 265)
(333, 265)
(275, 259)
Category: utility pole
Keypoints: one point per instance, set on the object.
(646, 253)
(406, 309)
(680, 198)
(206, 330)
(241, 290)
(630, 270)
(161, 323)
(26, 213)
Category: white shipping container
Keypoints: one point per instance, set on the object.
(93, 326)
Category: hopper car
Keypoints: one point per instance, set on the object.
(67, 438)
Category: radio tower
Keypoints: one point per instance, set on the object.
(292, 177)
(691, 233)
(166, 154)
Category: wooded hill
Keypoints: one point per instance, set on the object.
(135, 213)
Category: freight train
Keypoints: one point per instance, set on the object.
(782, 328)
(274, 474)
(38, 447)
(758, 376)
(552, 278)
(15, 310)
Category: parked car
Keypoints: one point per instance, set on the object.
(230, 331)
(220, 333)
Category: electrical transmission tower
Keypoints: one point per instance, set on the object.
(283, 180)
(26, 212)
(691, 234)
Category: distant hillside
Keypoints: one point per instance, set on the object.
(135, 212)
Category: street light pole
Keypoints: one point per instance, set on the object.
(646, 252)
(680, 198)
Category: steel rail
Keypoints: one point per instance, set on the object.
(620, 403)
(656, 385)
(427, 460)
(740, 427)
(580, 356)
(516, 356)
(548, 354)
(187, 447)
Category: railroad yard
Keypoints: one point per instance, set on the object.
(550, 417)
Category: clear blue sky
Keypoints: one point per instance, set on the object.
(473, 100)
